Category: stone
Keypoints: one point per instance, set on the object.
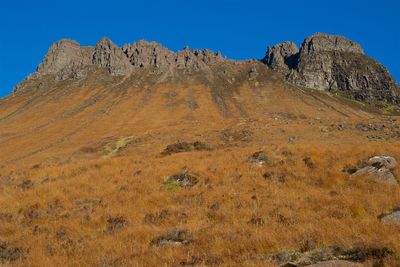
(253, 73)
(66, 59)
(378, 168)
(182, 179)
(180, 147)
(282, 57)
(259, 158)
(173, 238)
(336, 263)
(383, 161)
(331, 256)
(108, 55)
(392, 217)
(334, 63)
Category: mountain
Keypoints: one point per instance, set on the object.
(141, 156)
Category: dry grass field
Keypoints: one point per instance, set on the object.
(84, 180)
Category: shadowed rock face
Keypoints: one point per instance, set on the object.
(334, 63)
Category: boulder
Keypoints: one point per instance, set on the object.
(391, 217)
(379, 168)
(336, 263)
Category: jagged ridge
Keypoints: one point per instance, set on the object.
(324, 62)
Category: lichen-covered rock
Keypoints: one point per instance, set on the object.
(336, 64)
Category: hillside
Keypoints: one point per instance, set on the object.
(140, 156)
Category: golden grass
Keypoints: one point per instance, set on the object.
(320, 206)
(63, 219)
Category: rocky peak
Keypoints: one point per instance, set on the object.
(64, 58)
(333, 63)
(282, 57)
(110, 56)
(143, 54)
(321, 42)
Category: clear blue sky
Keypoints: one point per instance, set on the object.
(239, 29)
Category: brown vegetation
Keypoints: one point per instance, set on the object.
(62, 202)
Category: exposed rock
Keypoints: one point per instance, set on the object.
(378, 168)
(331, 255)
(336, 263)
(174, 238)
(253, 73)
(108, 55)
(282, 57)
(182, 179)
(66, 59)
(391, 217)
(259, 158)
(334, 63)
(383, 161)
(321, 42)
(185, 147)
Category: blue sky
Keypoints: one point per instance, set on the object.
(239, 29)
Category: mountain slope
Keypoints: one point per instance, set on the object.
(139, 156)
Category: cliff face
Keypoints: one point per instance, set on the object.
(67, 59)
(333, 63)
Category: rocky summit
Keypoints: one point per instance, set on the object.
(324, 62)
(335, 64)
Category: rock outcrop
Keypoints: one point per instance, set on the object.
(282, 57)
(334, 63)
(107, 55)
(379, 168)
(67, 59)
(392, 217)
(324, 62)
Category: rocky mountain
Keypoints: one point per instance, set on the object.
(141, 156)
(323, 62)
(335, 64)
